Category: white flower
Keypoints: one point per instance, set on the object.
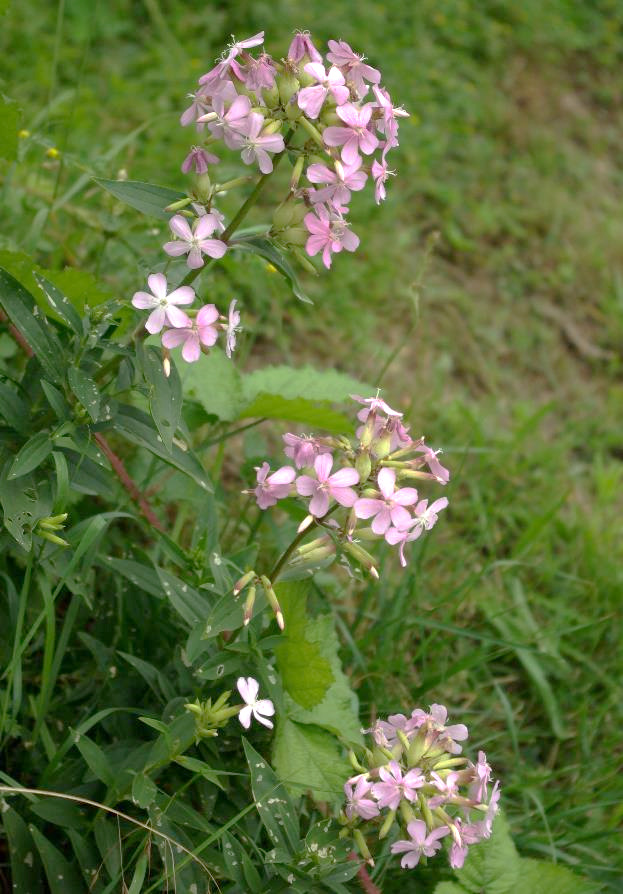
(261, 710)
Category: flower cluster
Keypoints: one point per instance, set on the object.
(414, 778)
(210, 717)
(363, 476)
(194, 331)
(331, 114)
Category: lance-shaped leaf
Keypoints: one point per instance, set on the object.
(60, 303)
(19, 305)
(145, 197)
(264, 248)
(165, 396)
(85, 390)
(273, 803)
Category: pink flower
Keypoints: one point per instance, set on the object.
(259, 73)
(357, 803)
(402, 536)
(311, 99)
(419, 843)
(261, 709)
(221, 69)
(353, 66)
(494, 805)
(303, 450)
(356, 136)
(388, 125)
(229, 125)
(302, 46)
(271, 488)
(329, 233)
(390, 510)
(164, 307)
(380, 173)
(482, 776)
(375, 404)
(233, 326)
(447, 736)
(325, 486)
(257, 145)
(198, 160)
(449, 788)
(384, 732)
(464, 834)
(236, 47)
(430, 458)
(426, 515)
(341, 181)
(195, 243)
(199, 332)
(394, 786)
(198, 107)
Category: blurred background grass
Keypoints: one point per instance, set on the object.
(504, 347)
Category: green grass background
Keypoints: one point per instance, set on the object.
(504, 347)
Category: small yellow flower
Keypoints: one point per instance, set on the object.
(52, 152)
(271, 268)
(23, 134)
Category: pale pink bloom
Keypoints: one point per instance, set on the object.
(388, 124)
(198, 160)
(195, 243)
(430, 458)
(482, 776)
(356, 136)
(389, 509)
(419, 843)
(222, 68)
(380, 172)
(199, 106)
(197, 332)
(394, 786)
(233, 326)
(494, 805)
(236, 47)
(201, 211)
(256, 144)
(374, 404)
(357, 803)
(447, 736)
(449, 788)
(341, 181)
(259, 73)
(302, 46)
(426, 516)
(163, 307)
(463, 834)
(271, 488)
(303, 450)
(311, 99)
(402, 536)
(324, 486)
(230, 124)
(352, 66)
(329, 233)
(384, 731)
(261, 709)
(398, 433)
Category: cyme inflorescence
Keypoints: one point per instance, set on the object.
(413, 784)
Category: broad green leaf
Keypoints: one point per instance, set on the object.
(25, 865)
(227, 614)
(31, 455)
(56, 400)
(305, 673)
(450, 888)
(316, 689)
(88, 860)
(138, 428)
(140, 871)
(59, 812)
(193, 607)
(13, 409)
(142, 576)
(23, 504)
(60, 304)
(108, 843)
(308, 758)
(294, 382)
(154, 678)
(19, 306)
(216, 384)
(9, 123)
(62, 876)
(492, 866)
(165, 396)
(144, 790)
(305, 412)
(85, 390)
(95, 759)
(194, 765)
(273, 803)
(539, 877)
(239, 866)
(263, 247)
(145, 197)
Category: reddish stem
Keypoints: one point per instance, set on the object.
(17, 335)
(128, 483)
(364, 877)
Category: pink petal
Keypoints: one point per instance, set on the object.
(248, 688)
(345, 496)
(349, 114)
(387, 482)
(406, 496)
(381, 521)
(215, 248)
(208, 314)
(143, 300)
(336, 136)
(158, 284)
(310, 100)
(191, 352)
(179, 225)
(344, 478)
(306, 485)
(172, 338)
(322, 465)
(284, 475)
(195, 259)
(183, 295)
(176, 249)
(366, 508)
(319, 504)
(244, 716)
(177, 317)
(155, 321)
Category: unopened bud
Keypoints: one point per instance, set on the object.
(297, 170)
(271, 97)
(203, 188)
(287, 85)
(406, 811)
(362, 847)
(311, 130)
(166, 364)
(362, 556)
(177, 206)
(243, 581)
(271, 126)
(294, 236)
(305, 524)
(304, 261)
(293, 111)
(283, 215)
(389, 822)
(352, 757)
(363, 465)
(383, 445)
(403, 739)
(248, 606)
(273, 601)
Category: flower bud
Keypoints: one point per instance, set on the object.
(244, 580)
(283, 214)
(296, 172)
(363, 465)
(248, 605)
(304, 261)
(293, 112)
(203, 188)
(294, 236)
(271, 96)
(364, 558)
(362, 847)
(271, 126)
(305, 524)
(273, 601)
(287, 85)
(382, 445)
(389, 822)
(177, 206)
(329, 117)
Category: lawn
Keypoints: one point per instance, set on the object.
(486, 300)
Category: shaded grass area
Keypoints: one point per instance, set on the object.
(505, 349)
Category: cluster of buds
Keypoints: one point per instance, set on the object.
(318, 109)
(366, 483)
(413, 783)
(195, 330)
(210, 717)
(49, 526)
